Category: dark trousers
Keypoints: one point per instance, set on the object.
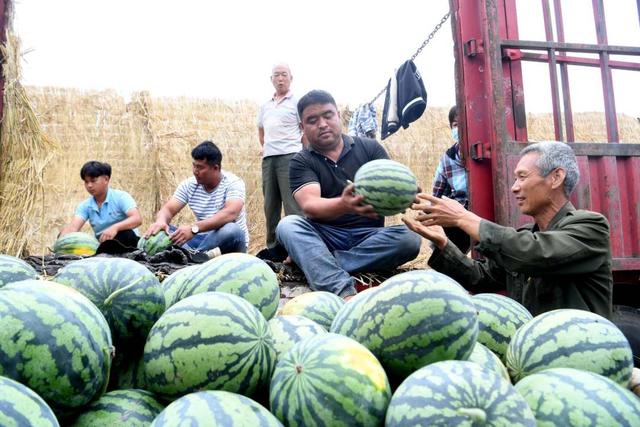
(277, 193)
(124, 241)
(458, 238)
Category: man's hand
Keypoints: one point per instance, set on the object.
(434, 233)
(182, 235)
(155, 227)
(439, 211)
(108, 233)
(353, 203)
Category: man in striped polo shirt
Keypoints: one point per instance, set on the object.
(216, 198)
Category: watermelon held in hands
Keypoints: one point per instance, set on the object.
(390, 187)
(131, 408)
(569, 338)
(76, 243)
(215, 409)
(55, 341)
(209, 341)
(329, 380)
(20, 406)
(568, 397)
(457, 393)
(14, 269)
(155, 243)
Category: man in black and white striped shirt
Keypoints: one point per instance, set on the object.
(216, 198)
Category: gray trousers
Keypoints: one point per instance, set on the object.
(277, 193)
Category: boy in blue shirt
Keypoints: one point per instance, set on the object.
(113, 214)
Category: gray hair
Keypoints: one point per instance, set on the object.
(553, 155)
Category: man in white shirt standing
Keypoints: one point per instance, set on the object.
(216, 198)
(281, 138)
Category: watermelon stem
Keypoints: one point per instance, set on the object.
(298, 369)
(111, 297)
(476, 414)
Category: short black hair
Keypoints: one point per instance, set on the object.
(94, 169)
(208, 151)
(453, 115)
(315, 97)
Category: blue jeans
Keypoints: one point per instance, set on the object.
(327, 254)
(229, 238)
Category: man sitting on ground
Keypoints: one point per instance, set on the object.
(216, 198)
(562, 260)
(338, 235)
(112, 214)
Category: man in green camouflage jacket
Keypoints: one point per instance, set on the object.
(562, 260)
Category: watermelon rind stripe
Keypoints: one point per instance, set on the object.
(21, 406)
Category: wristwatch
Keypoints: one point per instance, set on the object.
(195, 229)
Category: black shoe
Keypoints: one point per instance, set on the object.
(276, 254)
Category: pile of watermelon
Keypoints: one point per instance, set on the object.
(104, 343)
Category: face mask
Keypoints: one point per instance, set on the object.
(454, 134)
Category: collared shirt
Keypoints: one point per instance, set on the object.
(113, 210)
(309, 167)
(206, 204)
(451, 177)
(281, 124)
(566, 266)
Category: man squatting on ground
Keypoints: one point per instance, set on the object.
(338, 235)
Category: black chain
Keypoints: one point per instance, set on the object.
(424, 43)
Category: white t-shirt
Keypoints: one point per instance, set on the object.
(205, 205)
(280, 121)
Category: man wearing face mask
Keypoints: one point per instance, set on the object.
(450, 181)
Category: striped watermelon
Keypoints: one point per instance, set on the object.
(390, 187)
(76, 243)
(55, 341)
(215, 409)
(173, 283)
(288, 330)
(128, 294)
(130, 408)
(457, 393)
(498, 319)
(416, 318)
(346, 320)
(209, 341)
(155, 243)
(568, 338)
(329, 380)
(127, 370)
(570, 397)
(488, 360)
(20, 406)
(319, 306)
(236, 273)
(14, 269)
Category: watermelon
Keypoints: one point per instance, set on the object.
(288, 330)
(236, 273)
(155, 243)
(346, 320)
(20, 406)
(498, 319)
(570, 397)
(173, 283)
(76, 243)
(14, 269)
(319, 306)
(209, 341)
(126, 292)
(330, 380)
(390, 187)
(568, 338)
(55, 341)
(416, 318)
(457, 393)
(215, 409)
(131, 408)
(127, 370)
(488, 360)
